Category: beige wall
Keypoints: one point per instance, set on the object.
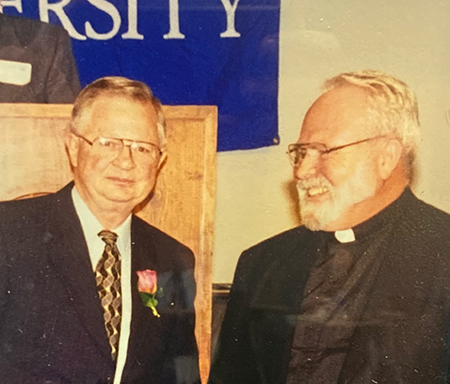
(318, 39)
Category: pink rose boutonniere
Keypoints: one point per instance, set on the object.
(148, 289)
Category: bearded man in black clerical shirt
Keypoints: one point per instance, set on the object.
(360, 292)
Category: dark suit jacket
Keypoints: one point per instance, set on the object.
(51, 321)
(54, 77)
(401, 336)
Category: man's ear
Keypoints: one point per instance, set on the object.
(162, 160)
(73, 146)
(389, 158)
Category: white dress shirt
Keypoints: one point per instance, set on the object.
(91, 227)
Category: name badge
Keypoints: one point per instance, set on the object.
(14, 72)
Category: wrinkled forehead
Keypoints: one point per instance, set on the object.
(337, 117)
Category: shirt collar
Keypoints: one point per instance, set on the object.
(91, 226)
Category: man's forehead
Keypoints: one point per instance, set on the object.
(105, 107)
(336, 117)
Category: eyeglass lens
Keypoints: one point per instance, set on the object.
(298, 152)
(141, 151)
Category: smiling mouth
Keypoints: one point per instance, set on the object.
(316, 191)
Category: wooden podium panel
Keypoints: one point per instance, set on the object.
(33, 161)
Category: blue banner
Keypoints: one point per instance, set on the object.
(190, 52)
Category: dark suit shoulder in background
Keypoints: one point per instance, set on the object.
(47, 48)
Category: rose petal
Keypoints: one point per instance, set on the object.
(147, 281)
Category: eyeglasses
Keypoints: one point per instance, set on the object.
(298, 151)
(110, 147)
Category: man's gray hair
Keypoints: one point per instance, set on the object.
(122, 87)
(393, 107)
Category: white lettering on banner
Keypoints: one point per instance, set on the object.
(174, 20)
(112, 11)
(45, 7)
(132, 32)
(231, 15)
(12, 3)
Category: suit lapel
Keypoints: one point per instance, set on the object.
(143, 256)
(69, 254)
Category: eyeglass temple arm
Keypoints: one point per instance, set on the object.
(81, 137)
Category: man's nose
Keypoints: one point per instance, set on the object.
(307, 167)
(124, 158)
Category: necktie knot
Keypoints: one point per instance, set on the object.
(108, 237)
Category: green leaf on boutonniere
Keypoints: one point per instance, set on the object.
(149, 300)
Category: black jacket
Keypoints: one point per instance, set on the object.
(51, 321)
(402, 334)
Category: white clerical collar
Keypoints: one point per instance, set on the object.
(345, 236)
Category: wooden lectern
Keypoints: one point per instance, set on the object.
(33, 161)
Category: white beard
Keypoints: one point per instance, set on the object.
(316, 216)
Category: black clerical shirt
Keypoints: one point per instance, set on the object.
(334, 298)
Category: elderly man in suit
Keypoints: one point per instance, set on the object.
(89, 293)
(36, 62)
(360, 292)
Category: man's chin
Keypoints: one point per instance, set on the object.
(312, 223)
(123, 198)
(318, 218)
(116, 196)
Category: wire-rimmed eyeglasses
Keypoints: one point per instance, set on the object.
(298, 151)
(110, 147)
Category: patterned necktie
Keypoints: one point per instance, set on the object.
(107, 275)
